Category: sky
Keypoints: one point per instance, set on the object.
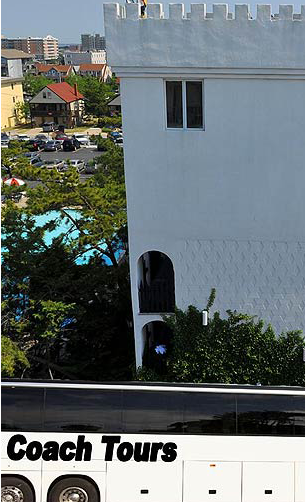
(67, 19)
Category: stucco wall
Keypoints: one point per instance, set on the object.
(226, 204)
(8, 118)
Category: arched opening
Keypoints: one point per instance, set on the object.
(157, 345)
(156, 283)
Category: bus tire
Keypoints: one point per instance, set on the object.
(16, 489)
(73, 490)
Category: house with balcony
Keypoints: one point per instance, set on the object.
(58, 73)
(59, 103)
(213, 117)
(101, 71)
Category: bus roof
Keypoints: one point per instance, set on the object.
(133, 385)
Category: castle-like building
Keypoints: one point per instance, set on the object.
(213, 121)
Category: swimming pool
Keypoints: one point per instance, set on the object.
(64, 227)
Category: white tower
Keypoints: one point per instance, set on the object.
(213, 121)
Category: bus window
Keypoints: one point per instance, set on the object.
(270, 415)
(208, 413)
(152, 412)
(83, 410)
(298, 414)
(22, 409)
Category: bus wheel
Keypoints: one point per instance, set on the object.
(15, 490)
(73, 490)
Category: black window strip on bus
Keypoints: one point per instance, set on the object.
(147, 412)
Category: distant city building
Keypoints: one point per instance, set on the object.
(11, 84)
(91, 57)
(43, 49)
(90, 42)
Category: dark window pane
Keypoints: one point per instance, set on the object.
(297, 410)
(208, 413)
(271, 415)
(174, 104)
(150, 412)
(83, 410)
(194, 104)
(22, 409)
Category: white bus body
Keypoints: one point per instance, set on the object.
(220, 443)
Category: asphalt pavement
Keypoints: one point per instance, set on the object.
(83, 153)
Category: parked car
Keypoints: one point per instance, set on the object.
(119, 141)
(35, 144)
(60, 137)
(41, 137)
(90, 168)
(23, 137)
(82, 139)
(52, 146)
(48, 127)
(114, 135)
(5, 139)
(51, 164)
(69, 145)
(79, 164)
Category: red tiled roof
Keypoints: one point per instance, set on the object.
(65, 92)
(91, 67)
(63, 68)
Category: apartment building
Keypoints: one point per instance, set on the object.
(43, 49)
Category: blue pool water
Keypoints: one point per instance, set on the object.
(64, 227)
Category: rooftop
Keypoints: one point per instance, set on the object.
(15, 54)
(65, 92)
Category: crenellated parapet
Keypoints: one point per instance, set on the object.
(214, 41)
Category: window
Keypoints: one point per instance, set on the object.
(152, 412)
(270, 415)
(208, 413)
(22, 409)
(44, 95)
(83, 410)
(14, 100)
(184, 101)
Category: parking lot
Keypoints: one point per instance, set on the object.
(84, 154)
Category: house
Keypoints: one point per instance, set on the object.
(101, 71)
(59, 103)
(56, 72)
(115, 105)
(12, 61)
(214, 160)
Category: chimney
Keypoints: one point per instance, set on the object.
(75, 87)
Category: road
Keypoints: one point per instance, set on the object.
(85, 154)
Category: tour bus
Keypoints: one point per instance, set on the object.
(142, 442)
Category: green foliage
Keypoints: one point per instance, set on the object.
(69, 320)
(12, 358)
(22, 111)
(33, 84)
(96, 93)
(237, 350)
(110, 121)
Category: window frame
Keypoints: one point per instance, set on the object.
(184, 103)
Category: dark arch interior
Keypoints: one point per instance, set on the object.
(156, 285)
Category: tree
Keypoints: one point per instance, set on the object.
(237, 350)
(96, 93)
(33, 84)
(101, 201)
(67, 319)
(22, 111)
(11, 358)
